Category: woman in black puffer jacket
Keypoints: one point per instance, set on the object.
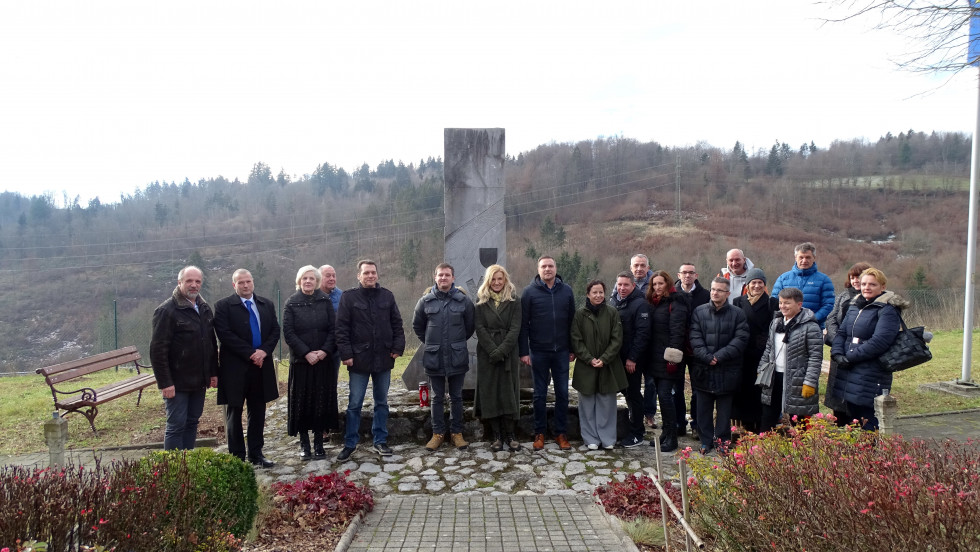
(869, 329)
(669, 317)
(759, 308)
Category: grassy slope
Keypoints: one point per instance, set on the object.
(26, 402)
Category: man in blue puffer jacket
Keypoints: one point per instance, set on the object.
(818, 289)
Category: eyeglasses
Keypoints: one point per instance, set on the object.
(713, 290)
(687, 272)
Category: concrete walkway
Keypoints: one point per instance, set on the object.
(487, 524)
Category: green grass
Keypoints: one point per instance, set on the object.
(645, 531)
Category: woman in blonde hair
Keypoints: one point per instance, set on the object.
(498, 387)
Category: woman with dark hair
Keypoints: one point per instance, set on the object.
(869, 329)
(852, 288)
(597, 335)
(308, 329)
(669, 315)
(759, 309)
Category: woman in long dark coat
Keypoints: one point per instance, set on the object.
(308, 328)
(498, 376)
(852, 288)
(759, 308)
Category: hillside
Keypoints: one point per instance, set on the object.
(77, 280)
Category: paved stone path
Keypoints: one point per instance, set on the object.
(486, 524)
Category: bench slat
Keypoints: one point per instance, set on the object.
(109, 392)
(90, 368)
(121, 356)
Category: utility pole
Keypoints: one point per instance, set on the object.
(677, 181)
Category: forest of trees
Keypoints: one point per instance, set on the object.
(899, 201)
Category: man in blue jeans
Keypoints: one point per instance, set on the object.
(444, 320)
(369, 339)
(184, 354)
(548, 306)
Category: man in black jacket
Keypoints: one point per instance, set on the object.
(247, 328)
(635, 314)
(687, 281)
(184, 355)
(547, 310)
(719, 335)
(444, 319)
(370, 337)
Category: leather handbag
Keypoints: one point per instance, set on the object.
(763, 377)
(908, 350)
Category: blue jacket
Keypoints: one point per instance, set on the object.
(864, 335)
(818, 290)
(546, 317)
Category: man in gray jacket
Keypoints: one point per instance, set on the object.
(444, 320)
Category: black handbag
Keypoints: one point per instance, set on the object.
(908, 350)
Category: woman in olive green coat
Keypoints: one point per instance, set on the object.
(597, 335)
(498, 376)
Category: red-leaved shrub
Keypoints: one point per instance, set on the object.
(636, 496)
(828, 489)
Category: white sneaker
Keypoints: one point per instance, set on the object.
(593, 446)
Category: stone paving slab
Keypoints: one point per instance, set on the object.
(485, 524)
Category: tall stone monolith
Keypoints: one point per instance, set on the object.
(475, 230)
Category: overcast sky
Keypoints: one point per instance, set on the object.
(98, 98)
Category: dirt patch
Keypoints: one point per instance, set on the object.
(212, 425)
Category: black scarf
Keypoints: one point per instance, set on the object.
(785, 328)
(593, 308)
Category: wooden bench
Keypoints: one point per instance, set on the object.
(86, 400)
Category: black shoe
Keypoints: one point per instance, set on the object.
(383, 449)
(345, 453)
(304, 454)
(318, 452)
(668, 443)
(630, 442)
(261, 461)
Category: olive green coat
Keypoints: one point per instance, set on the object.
(598, 336)
(498, 376)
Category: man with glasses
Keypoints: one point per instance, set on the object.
(719, 334)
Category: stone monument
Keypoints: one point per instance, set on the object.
(475, 230)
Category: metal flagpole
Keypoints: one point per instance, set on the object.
(971, 240)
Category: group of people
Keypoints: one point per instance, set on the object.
(754, 355)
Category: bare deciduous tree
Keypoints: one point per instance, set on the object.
(938, 31)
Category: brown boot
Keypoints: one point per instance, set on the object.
(458, 441)
(539, 441)
(562, 441)
(435, 441)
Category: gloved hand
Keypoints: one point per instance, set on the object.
(808, 391)
(671, 368)
(841, 361)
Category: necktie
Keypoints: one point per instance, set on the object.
(253, 321)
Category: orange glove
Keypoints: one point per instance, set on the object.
(808, 391)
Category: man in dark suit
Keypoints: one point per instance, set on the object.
(247, 328)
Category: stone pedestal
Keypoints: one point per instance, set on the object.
(56, 435)
(886, 410)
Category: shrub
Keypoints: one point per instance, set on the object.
(210, 493)
(68, 508)
(827, 488)
(635, 497)
(318, 502)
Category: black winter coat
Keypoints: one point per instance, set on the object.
(699, 296)
(183, 348)
(717, 333)
(634, 313)
(443, 322)
(668, 328)
(874, 326)
(308, 324)
(369, 329)
(231, 324)
(546, 317)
